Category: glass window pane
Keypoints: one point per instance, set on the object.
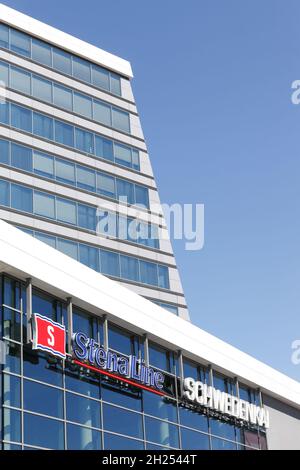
(65, 171)
(110, 263)
(84, 140)
(84, 411)
(135, 160)
(120, 120)
(161, 432)
(44, 204)
(48, 239)
(42, 89)
(194, 440)
(43, 164)
(120, 340)
(80, 438)
(4, 193)
(66, 211)
(163, 277)
(21, 198)
(86, 179)
(219, 444)
(21, 157)
(115, 84)
(4, 152)
(159, 406)
(62, 61)
(62, 97)
(20, 80)
(43, 126)
(68, 248)
(78, 381)
(4, 36)
(125, 422)
(158, 357)
(104, 148)
(11, 425)
(41, 52)
(11, 390)
(106, 185)
(141, 196)
(129, 268)
(106, 223)
(43, 399)
(20, 43)
(122, 155)
(113, 442)
(83, 105)
(102, 113)
(193, 419)
(38, 365)
(220, 428)
(52, 436)
(89, 256)
(125, 191)
(21, 118)
(148, 273)
(81, 69)
(4, 74)
(118, 395)
(100, 77)
(87, 217)
(4, 113)
(64, 133)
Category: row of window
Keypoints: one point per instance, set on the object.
(41, 125)
(61, 170)
(110, 263)
(61, 61)
(68, 211)
(63, 97)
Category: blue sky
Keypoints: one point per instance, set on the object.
(213, 87)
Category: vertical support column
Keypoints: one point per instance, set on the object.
(29, 309)
(260, 397)
(210, 375)
(146, 350)
(181, 372)
(70, 323)
(237, 387)
(105, 332)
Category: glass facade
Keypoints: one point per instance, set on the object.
(53, 404)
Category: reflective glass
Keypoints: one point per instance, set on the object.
(106, 185)
(122, 155)
(21, 198)
(83, 105)
(41, 366)
(115, 84)
(51, 241)
(86, 179)
(159, 407)
(4, 193)
(148, 272)
(68, 248)
(119, 340)
(114, 442)
(4, 70)
(64, 133)
(194, 440)
(44, 204)
(43, 164)
(65, 171)
(122, 421)
(4, 31)
(84, 140)
(4, 113)
(81, 438)
(41, 52)
(125, 189)
(21, 157)
(11, 390)
(100, 77)
(126, 397)
(4, 152)
(163, 277)
(62, 61)
(129, 268)
(110, 263)
(120, 120)
(42, 89)
(21, 118)
(43, 126)
(104, 148)
(62, 97)
(87, 217)
(161, 432)
(84, 411)
(219, 444)
(82, 383)
(20, 80)
(43, 399)
(89, 256)
(141, 196)
(193, 419)
(11, 425)
(20, 43)
(102, 113)
(66, 211)
(52, 435)
(81, 69)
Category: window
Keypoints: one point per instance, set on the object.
(124, 422)
(194, 440)
(12, 390)
(21, 157)
(222, 429)
(62, 97)
(102, 113)
(86, 324)
(100, 77)
(62, 61)
(4, 193)
(80, 438)
(41, 52)
(43, 164)
(44, 205)
(4, 30)
(84, 140)
(148, 273)
(161, 432)
(37, 365)
(122, 155)
(110, 263)
(64, 133)
(11, 425)
(86, 179)
(158, 406)
(4, 69)
(126, 398)
(129, 268)
(65, 171)
(141, 196)
(106, 185)
(159, 357)
(52, 435)
(89, 256)
(191, 418)
(4, 113)
(51, 241)
(43, 399)
(82, 410)
(20, 43)
(66, 211)
(135, 160)
(21, 118)
(21, 198)
(104, 148)
(43, 126)
(4, 152)
(114, 442)
(115, 84)
(83, 105)
(86, 217)
(120, 120)
(78, 381)
(20, 80)
(42, 89)
(81, 69)
(119, 340)
(107, 223)
(163, 277)
(125, 190)
(219, 444)
(68, 248)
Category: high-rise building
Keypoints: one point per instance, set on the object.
(88, 361)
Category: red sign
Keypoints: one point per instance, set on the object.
(49, 336)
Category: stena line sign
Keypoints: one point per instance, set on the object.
(201, 394)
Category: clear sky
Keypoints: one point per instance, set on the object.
(213, 87)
